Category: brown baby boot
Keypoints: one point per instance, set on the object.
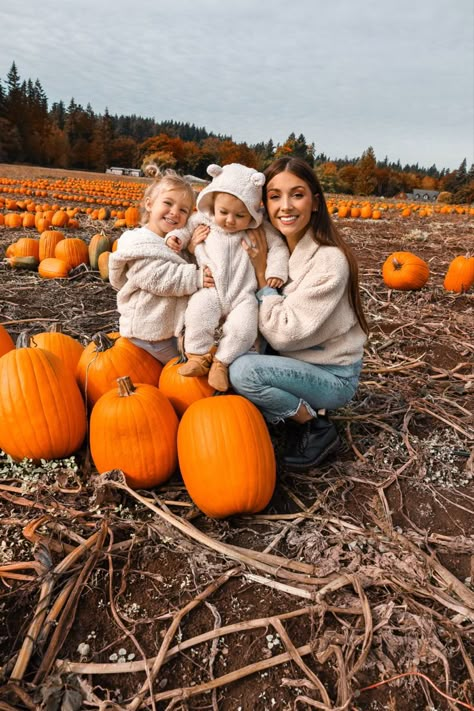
(196, 365)
(218, 377)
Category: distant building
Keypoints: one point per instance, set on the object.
(135, 172)
(423, 195)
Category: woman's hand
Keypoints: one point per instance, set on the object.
(207, 278)
(257, 251)
(199, 235)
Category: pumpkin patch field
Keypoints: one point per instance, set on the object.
(154, 553)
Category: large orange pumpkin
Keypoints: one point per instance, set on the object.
(111, 356)
(42, 413)
(72, 250)
(460, 275)
(180, 390)
(226, 456)
(405, 271)
(47, 243)
(134, 428)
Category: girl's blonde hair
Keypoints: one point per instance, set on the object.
(168, 179)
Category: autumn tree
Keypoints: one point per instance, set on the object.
(366, 181)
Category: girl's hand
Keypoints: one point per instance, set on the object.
(174, 243)
(257, 251)
(274, 282)
(199, 235)
(208, 279)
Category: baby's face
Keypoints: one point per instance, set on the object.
(230, 213)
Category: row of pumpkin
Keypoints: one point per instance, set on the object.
(53, 255)
(136, 416)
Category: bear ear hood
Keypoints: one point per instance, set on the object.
(243, 183)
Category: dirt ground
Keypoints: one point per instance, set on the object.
(353, 590)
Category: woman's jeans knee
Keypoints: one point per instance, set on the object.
(279, 385)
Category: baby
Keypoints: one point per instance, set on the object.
(229, 206)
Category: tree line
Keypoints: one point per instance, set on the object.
(77, 138)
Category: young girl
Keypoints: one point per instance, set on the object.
(316, 325)
(153, 281)
(229, 206)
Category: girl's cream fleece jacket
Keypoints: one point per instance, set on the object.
(153, 284)
(312, 319)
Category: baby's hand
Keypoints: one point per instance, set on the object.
(174, 243)
(274, 282)
(199, 235)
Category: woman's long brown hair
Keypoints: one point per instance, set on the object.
(325, 231)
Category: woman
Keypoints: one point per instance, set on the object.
(316, 324)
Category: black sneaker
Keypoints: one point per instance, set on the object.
(316, 439)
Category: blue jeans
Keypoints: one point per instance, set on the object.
(278, 386)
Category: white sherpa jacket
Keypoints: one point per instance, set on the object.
(312, 319)
(234, 275)
(153, 284)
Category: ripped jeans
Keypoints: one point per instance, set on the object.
(278, 385)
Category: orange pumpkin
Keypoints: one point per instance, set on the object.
(111, 356)
(6, 341)
(53, 268)
(27, 247)
(132, 216)
(60, 218)
(182, 391)
(226, 456)
(460, 275)
(72, 250)
(42, 413)
(405, 271)
(47, 243)
(65, 347)
(103, 265)
(134, 428)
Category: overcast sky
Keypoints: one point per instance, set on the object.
(348, 74)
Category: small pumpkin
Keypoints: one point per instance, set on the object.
(99, 243)
(226, 456)
(460, 275)
(132, 216)
(60, 218)
(111, 356)
(103, 265)
(6, 341)
(42, 413)
(182, 391)
(53, 268)
(67, 348)
(405, 271)
(134, 428)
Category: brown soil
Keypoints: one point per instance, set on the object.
(366, 576)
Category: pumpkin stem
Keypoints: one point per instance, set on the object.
(125, 386)
(396, 264)
(102, 341)
(23, 340)
(56, 327)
